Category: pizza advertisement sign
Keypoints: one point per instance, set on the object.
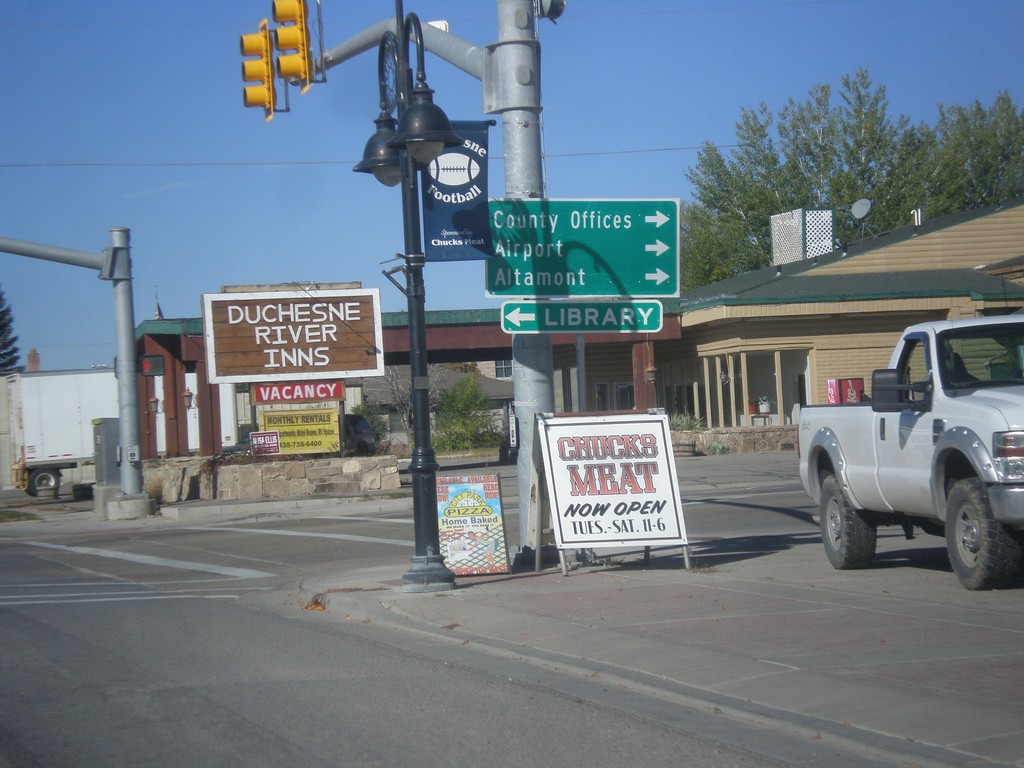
(471, 524)
(611, 480)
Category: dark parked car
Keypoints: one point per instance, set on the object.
(359, 438)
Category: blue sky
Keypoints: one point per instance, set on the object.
(128, 113)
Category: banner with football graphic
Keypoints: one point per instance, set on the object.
(454, 188)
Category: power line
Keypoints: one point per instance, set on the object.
(273, 163)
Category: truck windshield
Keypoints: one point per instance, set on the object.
(985, 356)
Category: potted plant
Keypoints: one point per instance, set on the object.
(765, 404)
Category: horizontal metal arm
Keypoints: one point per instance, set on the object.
(52, 253)
(460, 53)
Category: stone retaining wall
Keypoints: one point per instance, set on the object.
(735, 440)
(169, 481)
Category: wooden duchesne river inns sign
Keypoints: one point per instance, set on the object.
(287, 335)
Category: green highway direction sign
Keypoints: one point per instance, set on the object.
(581, 316)
(584, 248)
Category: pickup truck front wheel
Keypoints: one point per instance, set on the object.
(982, 552)
(848, 537)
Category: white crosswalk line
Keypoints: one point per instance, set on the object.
(309, 534)
(186, 565)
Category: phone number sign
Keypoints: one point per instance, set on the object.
(313, 430)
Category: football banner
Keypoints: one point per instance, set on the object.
(454, 188)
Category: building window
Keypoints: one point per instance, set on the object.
(622, 393)
(624, 397)
(503, 369)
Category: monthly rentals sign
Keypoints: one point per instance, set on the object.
(277, 336)
(611, 481)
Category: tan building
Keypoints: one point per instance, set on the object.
(782, 332)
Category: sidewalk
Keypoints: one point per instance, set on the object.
(899, 657)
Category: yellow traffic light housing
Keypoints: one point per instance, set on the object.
(259, 70)
(293, 36)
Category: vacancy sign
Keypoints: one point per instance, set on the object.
(297, 392)
(284, 336)
(611, 481)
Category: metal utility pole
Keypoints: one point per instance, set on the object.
(517, 69)
(509, 71)
(113, 264)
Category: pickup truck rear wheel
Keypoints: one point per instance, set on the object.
(982, 551)
(848, 537)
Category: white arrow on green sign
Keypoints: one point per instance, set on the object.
(584, 248)
(581, 316)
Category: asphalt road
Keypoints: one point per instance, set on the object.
(143, 643)
(146, 642)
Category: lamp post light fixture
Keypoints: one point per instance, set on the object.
(378, 158)
(420, 134)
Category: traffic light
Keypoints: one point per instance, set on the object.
(293, 36)
(259, 70)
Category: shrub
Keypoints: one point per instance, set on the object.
(464, 419)
(686, 422)
(714, 449)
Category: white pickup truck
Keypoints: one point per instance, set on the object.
(940, 447)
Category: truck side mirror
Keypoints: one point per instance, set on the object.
(887, 391)
(890, 395)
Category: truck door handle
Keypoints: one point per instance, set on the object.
(881, 429)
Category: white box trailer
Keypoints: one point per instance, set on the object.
(51, 415)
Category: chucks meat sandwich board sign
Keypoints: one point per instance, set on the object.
(610, 481)
(275, 336)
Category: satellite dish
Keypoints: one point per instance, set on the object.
(860, 209)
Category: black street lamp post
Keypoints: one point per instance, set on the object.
(391, 155)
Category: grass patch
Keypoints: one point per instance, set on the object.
(15, 515)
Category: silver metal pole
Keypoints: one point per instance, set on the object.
(517, 60)
(114, 265)
(125, 363)
(52, 253)
(581, 372)
(510, 73)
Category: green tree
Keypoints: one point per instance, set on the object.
(980, 157)
(465, 367)
(713, 247)
(9, 357)
(740, 193)
(872, 162)
(464, 418)
(821, 153)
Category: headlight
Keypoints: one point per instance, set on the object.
(1008, 455)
